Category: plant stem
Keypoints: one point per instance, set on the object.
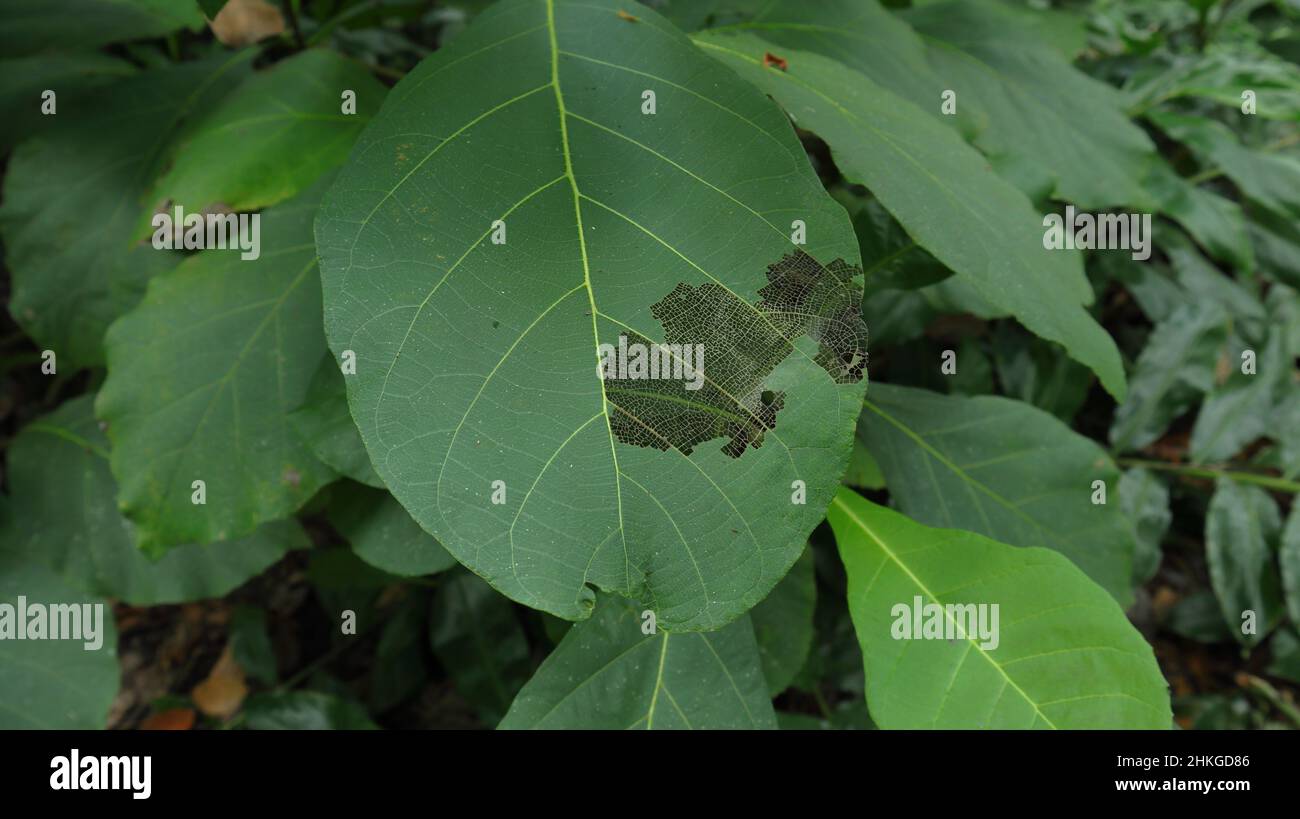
(1214, 173)
(1266, 481)
(293, 22)
(1271, 695)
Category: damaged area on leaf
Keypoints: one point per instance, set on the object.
(735, 347)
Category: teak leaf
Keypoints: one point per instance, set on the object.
(607, 674)
(202, 377)
(1060, 653)
(510, 210)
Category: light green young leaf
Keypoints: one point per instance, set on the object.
(940, 189)
(73, 276)
(1242, 526)
(383, 535)
(1004, 469)
(53, 683)
(477, 346)
(783, 625)
(1064, 654)
(474, 633)
(202, 376)
(42, 25)
(607, 674)
(1173, 371)
(272, 136)
(66, 516)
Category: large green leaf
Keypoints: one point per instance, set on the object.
(477, 361)
(1242, 528)
(940, 189)
(202, 376)
(66, 516)
(1065, 655)
(1004, 469)
(52, 683)
(72, 275)
(40, 25)
(607, 674)
(1042, 117)
(272, 136)
(783, 625)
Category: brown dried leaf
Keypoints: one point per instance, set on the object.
(173, 719)
(224, 690)
(244, 22)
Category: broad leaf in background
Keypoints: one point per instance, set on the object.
(939, 189)
(272, 136)
(42, 25)
(607, 674)
(475, 635)
(65, 515)
(1003, 469)
(325, 426)
(1238, 410)
(1272, 180)
(398, 668)
(1043, 117)
(1038, 372)
(1144, 499)
(783, 625)
(73, 77)
(1220, 76)
(860, 34)
(476, 358)
(1242, 527)
(73, 275)
(54, 683)
(1288, 556)
(383, 535)
(1065, 654)
(1175, 368)
(202, 376)
(1216, 223)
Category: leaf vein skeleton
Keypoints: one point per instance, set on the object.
(861, 524)
(586, 276)
(758, 550)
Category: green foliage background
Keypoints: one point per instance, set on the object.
(1078, 373)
